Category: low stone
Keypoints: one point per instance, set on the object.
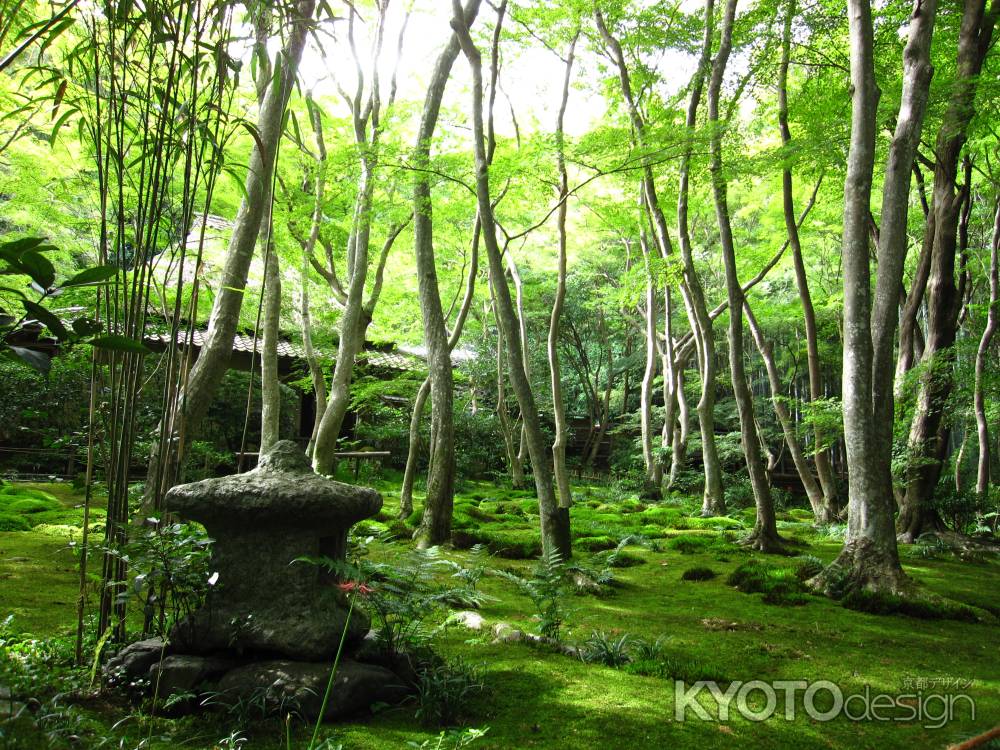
(182, 673)
(506, 633)
(468, 619)
(134, 661)
(300, 686)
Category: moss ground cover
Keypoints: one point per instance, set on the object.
(752, 620)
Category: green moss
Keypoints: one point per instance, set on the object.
(662, 516)
(13, 522)
(688, 544)
(785, 593)
(921, 607)
(715, 522)
(801, 514)
(544, 700)
(596, 543)
(624, 559)
(509, 544)
(698, 573)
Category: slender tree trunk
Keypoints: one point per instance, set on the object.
(929, 432)
(312, 360)
(308, 248)
(982, 426)
(678, 453)
(765, 533)
(649, 458)
(413, 449)
(213, 359)
(508, 427)
(353, 325)
(435, 527)
(554, 520)
(357, 311)
(908, 326)
(713, 498)
(813, 489)
(270, 386)
(870, 558)
(824, 471)
(555, 375)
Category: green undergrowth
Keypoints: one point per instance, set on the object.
(741, 616)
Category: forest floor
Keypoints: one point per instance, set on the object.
(539, 698)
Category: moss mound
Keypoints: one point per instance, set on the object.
(924, 608)
(698, 574)
(13, 522)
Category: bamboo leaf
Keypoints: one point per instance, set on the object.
(117, 343)
(48, 319)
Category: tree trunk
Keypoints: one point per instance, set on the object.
(982, 426)
(554, 520)
(213, 359)
(555, 375)
(308, 247)
(508, 427)
(413, 449)
(713, 498)
(312, 360)
(650, 460)
(357, 312)
(678, 452)
(270, 386)
(824, 471)
(814, 491)
(353, 325)
(765, 533)
(929, 431)
(870, 558)
(435, 526)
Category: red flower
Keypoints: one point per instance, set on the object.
(355, 587)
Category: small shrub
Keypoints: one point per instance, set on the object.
(780, 586)
(648, 650)
(547, 588)
(750, 577)
(808, 567)
(609, 650)
(445, 690)
(698, 574)
(739, 493)
(785, 593)
(677, 667)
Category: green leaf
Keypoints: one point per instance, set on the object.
(94, 275)
(117, 343)
(45, 317)
(34, 264)
(86, 326)
(13, 249)
(34, 359)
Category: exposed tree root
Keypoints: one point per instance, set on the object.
(862, 565)
(770, 543)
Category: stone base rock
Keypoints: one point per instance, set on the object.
(300, 686)
(133, 661)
